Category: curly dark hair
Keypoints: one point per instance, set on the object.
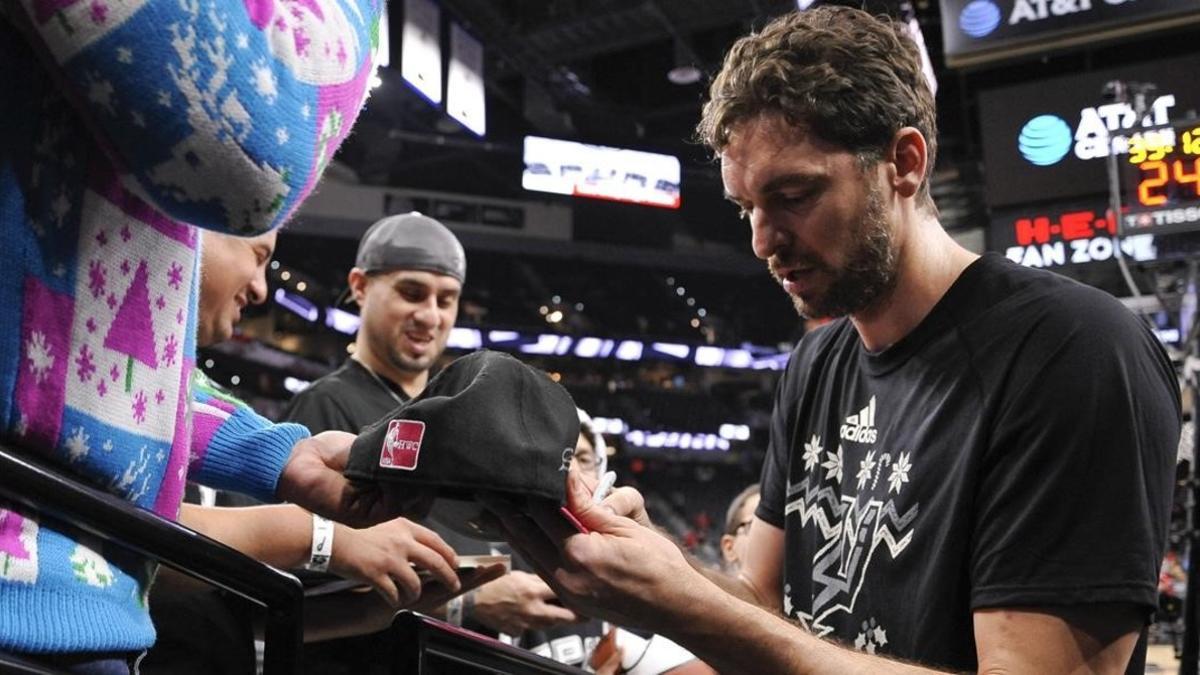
(852, 78)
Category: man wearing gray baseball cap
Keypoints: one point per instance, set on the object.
(407, 279)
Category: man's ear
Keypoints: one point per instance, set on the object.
(357, 279)
(727, 547)
(910, 157)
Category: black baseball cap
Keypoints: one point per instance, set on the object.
(487, 425)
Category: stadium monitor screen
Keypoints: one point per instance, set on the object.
(982, 31)
(600, 172)
(1049, 141)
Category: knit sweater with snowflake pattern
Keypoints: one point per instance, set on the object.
(127, 124)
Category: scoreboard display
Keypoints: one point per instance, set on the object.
(1162, 181)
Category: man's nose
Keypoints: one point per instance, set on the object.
(427, 313)
(766, 237)
(258, 287)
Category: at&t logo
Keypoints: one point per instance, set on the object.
(1103, 129)
(1044, 140)
(979, 18)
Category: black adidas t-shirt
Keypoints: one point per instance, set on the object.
(1016, 449)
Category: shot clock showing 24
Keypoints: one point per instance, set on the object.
(1163, 179)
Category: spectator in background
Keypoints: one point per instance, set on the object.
(577, 644)
(126, 126)
(571, 642)
(407, 280)
(738, 520)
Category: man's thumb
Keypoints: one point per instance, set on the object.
(593, 516)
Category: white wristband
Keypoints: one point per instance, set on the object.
(454, 611)
(322, 544)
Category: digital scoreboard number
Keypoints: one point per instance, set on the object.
(1162, 181)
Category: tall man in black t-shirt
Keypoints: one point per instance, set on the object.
(971, 469)
(407, 279)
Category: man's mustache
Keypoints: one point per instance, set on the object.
(776, 264)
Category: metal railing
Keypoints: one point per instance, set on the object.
(36, 485)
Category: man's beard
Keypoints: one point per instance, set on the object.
(412, 364)
(868, 275)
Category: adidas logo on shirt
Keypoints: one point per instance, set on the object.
(860, 427)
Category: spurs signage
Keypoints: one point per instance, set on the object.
(1048, 140)
(981, 30)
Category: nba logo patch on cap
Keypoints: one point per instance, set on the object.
(402, 445)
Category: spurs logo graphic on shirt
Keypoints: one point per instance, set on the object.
(402, 445)
(854, 514)
(860, 427)
(872, 637)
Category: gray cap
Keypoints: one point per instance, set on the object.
(411, 241)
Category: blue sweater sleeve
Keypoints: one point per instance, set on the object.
(235, 448)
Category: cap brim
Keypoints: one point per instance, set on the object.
(465, 517)
(473, 520)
